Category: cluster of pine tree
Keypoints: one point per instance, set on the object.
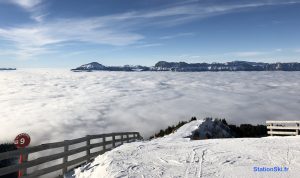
(171, 129)
(7, 162)
(247, 130)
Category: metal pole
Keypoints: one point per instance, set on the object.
(20, 174)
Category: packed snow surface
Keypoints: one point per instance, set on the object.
(175, 157)
(54, 105)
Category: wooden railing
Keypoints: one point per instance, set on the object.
(283, 127)
(108, 141)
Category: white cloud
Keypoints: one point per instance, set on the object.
(187, 12)
(54, 105)
(28, 41)
(247, 54)
(149, 45)
(34, 7)
(167, 37)
(116, 29)
(297, 50)
(255, 53)
(34, 40)
(39, 17)
(26, 4)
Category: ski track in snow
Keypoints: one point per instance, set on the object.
(194, 167)
(197, 159)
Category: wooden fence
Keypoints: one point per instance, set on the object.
(283, 127)
(108, 141)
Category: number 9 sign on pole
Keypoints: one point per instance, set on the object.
(21, 141)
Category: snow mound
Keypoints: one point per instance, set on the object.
(202, 129)
(186, 131)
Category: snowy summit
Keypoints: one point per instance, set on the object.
(91, 66)
(177, 156)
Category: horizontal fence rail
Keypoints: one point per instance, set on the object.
(283, 127)
(107, 142)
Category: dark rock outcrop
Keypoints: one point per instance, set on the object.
(212, 128)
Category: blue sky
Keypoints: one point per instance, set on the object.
(68, 33)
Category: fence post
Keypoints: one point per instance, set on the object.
(122, 138)
(65, 158)
(139, 137)
(127, 138)
(104, 144)
(88, 151)
(114, 140)
(271, 129)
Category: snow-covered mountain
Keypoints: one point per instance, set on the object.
(91, 66)
(229, 66)
(95, 66)
(177, 156)
(196, 67)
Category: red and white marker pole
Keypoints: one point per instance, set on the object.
(21, 141)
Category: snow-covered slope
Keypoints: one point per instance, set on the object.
(185, 131)
(174, 156)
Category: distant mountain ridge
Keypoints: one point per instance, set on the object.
(8, 68)
(195, 67)
(229, 66)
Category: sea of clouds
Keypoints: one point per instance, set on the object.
(54, 105)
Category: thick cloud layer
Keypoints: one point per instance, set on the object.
(53, 105)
